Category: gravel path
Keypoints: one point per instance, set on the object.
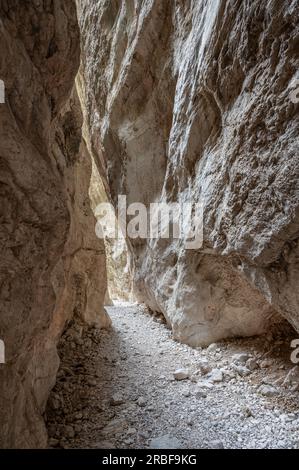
(116, 389)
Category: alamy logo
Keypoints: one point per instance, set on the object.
(158, 220)
(2, 92)
(294, 93)
(2, 352)
(295, 353)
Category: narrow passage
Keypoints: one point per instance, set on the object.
(117, 389)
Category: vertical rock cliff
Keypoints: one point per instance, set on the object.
(119, 278)
(190, 101)
(52, 266)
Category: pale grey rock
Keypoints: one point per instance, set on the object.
(292, 378)
(229, 374)
(205, 384)
(103, 445)
(241, 370)
(204, 366)
(131, 431)
(181, 374)
(212, 348)
(165, 442)
(117, 399)
(195, 376)
(141, 402)
(216, 375)
(200, 393)
(265, 363)
(268, 390)
(115, 426)
(241, 358)
(216, 445)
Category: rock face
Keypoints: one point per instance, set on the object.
(119, 278)
(52, 265)
(191, 101)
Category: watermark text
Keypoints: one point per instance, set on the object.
(2, 92)
(2, 352)
(295, 353)
(157, 220)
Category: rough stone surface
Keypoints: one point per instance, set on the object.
(191, 101)
(49, 259)
(232, 413)
(119, 276)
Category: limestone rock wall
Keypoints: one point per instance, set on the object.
(190, 100)
(119, 276)
(52, 267)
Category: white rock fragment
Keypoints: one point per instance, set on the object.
(117, 399)
(241, 370)
(240, 358)
(165, 442)
(204, 366)
(251, 364)
(181, 374)
(216, 375)
(268, 390)
(212, 348)
(265, 363)
(141, 402)
(292, 378)
(115, 426)
(200, 393)
(216, 445)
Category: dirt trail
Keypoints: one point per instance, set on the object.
(116, 389)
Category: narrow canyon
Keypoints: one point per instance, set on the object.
(149, 341)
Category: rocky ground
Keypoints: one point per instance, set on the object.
(134, 387)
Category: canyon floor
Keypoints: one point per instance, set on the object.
(133, 386)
